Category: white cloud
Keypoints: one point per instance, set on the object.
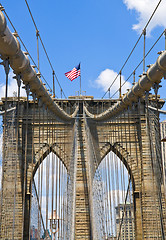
(144, 9)
(106, 78)
(12, 87)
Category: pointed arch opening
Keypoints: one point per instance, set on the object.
(113, 202)
(48, 218)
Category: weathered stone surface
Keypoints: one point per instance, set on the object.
(126, 135)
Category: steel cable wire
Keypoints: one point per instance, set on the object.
(39, 171)
(134, 47)
(157, 147)
(6, 68)
(30, 12)
(133, 72)
(113, 139)
(150, 131)
(25, 159)
(47, 168)
(137, 166)
(25, 47)
(109, 179)
(142, 171)
(98, 203)
(32, 160)
(116, 170)
(17, 154)
(52, 183)
(130, 125)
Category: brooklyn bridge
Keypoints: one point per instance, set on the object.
(80, 167)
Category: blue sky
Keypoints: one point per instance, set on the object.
(99, 34)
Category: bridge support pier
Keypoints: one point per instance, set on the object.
(12, 198)
(15, 206)
(151, 195)
(130, 141)
(83, 226)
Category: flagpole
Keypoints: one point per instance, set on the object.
(80, 79)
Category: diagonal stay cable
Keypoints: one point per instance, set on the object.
(134, 47)
(33, 20)
(39, 206)
(140, 63)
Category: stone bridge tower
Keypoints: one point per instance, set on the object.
(127, 135)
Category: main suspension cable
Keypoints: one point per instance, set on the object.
(133, 72)
(2, 9)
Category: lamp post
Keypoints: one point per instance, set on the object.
(54, 224)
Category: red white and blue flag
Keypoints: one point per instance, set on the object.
(74, 73)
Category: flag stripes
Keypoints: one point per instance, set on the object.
(74, 73)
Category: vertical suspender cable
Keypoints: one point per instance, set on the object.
(134, 77)
(109, 179)
(107, 195)
(6, 68)
(121, 135)
(38, 175)
(63, 186)
(25, 157)
(104, 202)
(116, 163)
(156, 87)
(53, 75)
(120, 85)
(109, 192)
(47, 172)
(113, 176)
(137, 165)
(61, 223)
(42, 157)
(55, 171)
(130, 124)
(142, 194)
(149, 131)
(165, 38)
(144, 34)
(57, 167)
(39, 169)
(37, 38)
(53, 168)
(17, 153)
(33, 133)
(59, 188)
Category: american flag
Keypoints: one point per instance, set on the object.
(74, 73)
